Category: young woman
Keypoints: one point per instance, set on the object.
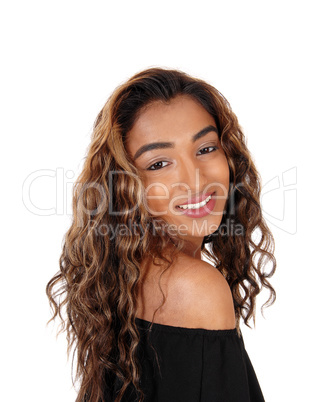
(167, 180)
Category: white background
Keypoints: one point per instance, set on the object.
(60, 62)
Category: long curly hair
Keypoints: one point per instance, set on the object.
(95, 291)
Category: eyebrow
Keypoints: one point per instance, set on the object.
(162, 145)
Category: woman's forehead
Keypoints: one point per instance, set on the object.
(180, 117)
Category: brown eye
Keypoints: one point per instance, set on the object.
(156, 166)
(208, 150)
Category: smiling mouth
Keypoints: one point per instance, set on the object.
(196, 206)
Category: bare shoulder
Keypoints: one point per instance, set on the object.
(204, 294)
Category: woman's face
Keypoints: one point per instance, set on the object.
(176, 148)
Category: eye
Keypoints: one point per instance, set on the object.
(156, 166)
(207, 150)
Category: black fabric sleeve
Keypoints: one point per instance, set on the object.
(194, 365)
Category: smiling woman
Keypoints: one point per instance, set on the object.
(186, 174)
(168, 172)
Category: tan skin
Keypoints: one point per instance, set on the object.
(171, 176)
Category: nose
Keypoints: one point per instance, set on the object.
(191, 176)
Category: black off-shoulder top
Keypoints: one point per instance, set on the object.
(195, 365)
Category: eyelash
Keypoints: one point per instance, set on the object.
(211, 146)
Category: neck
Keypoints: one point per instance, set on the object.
(192, 250)
(192, 247)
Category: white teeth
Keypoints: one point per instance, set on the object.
(196, 206)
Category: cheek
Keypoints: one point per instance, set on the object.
(226, 174)
(224, 180)
(157, 196)
(221, 173)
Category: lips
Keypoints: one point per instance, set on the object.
(196, 200)
(201, 209)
